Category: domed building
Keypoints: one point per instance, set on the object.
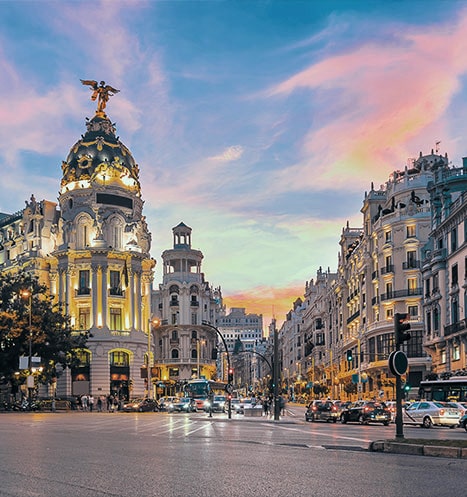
(93, 254)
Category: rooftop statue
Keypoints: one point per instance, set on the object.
(101, 92)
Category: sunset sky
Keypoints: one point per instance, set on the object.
(260, 124)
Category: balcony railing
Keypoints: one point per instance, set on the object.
(388, 269)
(83, 291)
(455, 327)
(194, 303)
(411, 265)
(174, 303)
(375, 300)
(353, 316)
(374, 275)
(397, 294)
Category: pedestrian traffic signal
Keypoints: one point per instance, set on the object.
(401, 326)
(349, 355)
(230, 376)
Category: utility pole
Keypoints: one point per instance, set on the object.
(275, 377)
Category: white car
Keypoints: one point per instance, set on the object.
(427, 414)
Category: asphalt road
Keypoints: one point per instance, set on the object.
(177, 455)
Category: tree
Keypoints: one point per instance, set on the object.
(28, 316)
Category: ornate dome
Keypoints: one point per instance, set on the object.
(99, 156)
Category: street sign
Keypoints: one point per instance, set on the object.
(398, 363)
(229, 388)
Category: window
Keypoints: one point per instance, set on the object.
(411, 259)
(443, 357)
(412, 310)
(454, 309)
(412, 286)
(436, 319)
(115, 283)
(194, 334)
(411, 231)
(174, 354)
(389, 313)
(427, 288)
(83, 288)
(428, 322)
(453, 239)
(456, 353)
(389, 290)
(174, 371)
(388, 236)
(454, 275)
(194, 354)
(174, 335)
(84, 318)
(174, 318)
(115, 318)
(194, 319)
(119, 358)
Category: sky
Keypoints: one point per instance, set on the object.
(259, 124)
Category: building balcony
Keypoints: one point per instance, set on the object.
(387, 269)
(411, 265)
(397, 294)
(82, 292)
(353, 316)
(455, 327)
(374, 275)
(174, 303)
(194, 303)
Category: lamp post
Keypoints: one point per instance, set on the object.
(209, 325)
(28, 294)
(199, 342)
(153, 322)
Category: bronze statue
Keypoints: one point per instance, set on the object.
(101, 92)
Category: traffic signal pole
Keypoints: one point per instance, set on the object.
(400, 335)
(275, 379)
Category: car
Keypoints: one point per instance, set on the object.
(428, 413)
(365, 412)
(463, 422)
(219, 404)
(141, 405)
(244, 404)
(325, 410)
(182, 404)
(164, 402)
(460, 406)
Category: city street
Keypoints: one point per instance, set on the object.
(145, 454)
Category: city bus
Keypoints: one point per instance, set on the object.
(453, 389)
(200, 389)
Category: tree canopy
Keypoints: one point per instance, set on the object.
(30, 318)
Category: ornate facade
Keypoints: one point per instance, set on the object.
(185, 348)
(92, 251)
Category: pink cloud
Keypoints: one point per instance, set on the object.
(385, 97)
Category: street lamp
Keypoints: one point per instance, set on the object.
(209, 325)
(30, 384)
(199, 342)
(153, 323)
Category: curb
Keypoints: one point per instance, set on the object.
(418, 450)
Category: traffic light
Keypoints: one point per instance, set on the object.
(349, 355)
(401, 326)
(230, 376)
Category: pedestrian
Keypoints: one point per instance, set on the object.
(84, 402)
(266, 406)
(99, 403)
(91, 403)
(110, 402)
(282, 405)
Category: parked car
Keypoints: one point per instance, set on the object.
(182, 404)
(429, 413)
(219, 404)
(365, 412)
(463, 422)
(325, 410)
(141, 405)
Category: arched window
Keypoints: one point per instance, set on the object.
(174, 335)
(119, 358)
(115, 230)
(194, 354)
(174, 353)
(83, 231)
(194, 334)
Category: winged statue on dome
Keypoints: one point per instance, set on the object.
(101, 93)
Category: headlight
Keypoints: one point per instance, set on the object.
(207, 403)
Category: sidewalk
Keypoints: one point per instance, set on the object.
(418, 449)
